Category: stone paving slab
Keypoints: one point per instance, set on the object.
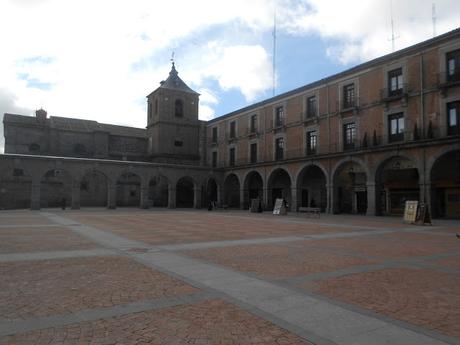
(23, 219)
(208, 322)
(33, 239)
(44, 288)
(419, 296)
(14, 257)
(278, 260)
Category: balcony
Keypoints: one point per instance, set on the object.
(388, 95)
(447, 80)
(346, 106)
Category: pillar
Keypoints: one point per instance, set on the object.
(144, 202)
(35, 195)
(112, 195)
(171, 197)
(371, 201)
(293, 204)
(197, 197)
(330, 198)
(75, 202)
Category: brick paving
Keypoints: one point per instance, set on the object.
(53, 287)
(208, 322)
(419, 296)
(29, 239)
(278, 261)
(409, 276)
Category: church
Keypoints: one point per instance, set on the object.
(362, 141)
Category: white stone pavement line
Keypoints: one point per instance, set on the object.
(14, 327)
(313, 315)
(62, 254)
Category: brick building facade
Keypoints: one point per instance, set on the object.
(361, 141)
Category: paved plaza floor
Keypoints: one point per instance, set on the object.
(130, 276)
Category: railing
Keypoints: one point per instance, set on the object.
(449, 78)
(369, 141)
(347, 105)
(387, 94)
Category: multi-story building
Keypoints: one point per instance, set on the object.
(361, 141)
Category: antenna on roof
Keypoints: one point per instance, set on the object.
(393, 37)
(274, 48)
(433, 17)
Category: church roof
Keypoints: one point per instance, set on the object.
(174, 82)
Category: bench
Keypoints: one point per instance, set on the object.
(311, 211)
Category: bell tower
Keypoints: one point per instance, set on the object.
(172, 121)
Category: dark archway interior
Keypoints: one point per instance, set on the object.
(279, 186)
(445, 184)
(350, 191)
(211, 191)
(397, 181)
(128, 190)
(93, 190)
(184, 192)
(253, 188)
(232, 191)
(311, 190)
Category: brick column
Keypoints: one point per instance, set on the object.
(35, 195)
(371, 201)
(75, 202)
(197, 197)
(171, 197)
(112, 195)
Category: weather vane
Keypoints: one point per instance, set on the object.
(172, 58)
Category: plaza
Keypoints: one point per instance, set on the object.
(184, 276)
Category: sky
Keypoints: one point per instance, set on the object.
(98, 59)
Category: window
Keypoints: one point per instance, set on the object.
(453, 65)
(349, 136)
(279, 149)
(312, 142)
(34, 148)
(214, 159)
(253, 125)
(253, 152)
(395, 82)
(349, 96)
(396, 127)
(232, 130)
(214, 134)
(178, 143)
(311, 106)
(232, 156)
(279, 116)
(179, 108)
(453, 118)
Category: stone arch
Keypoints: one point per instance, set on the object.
(253, 187)
(312, 186)
(56, 188)
(15, 188)
(158, 191)
(94, 186)
(346, 160)
(185, 192)
(396, 181)
(128, 189)
(434, 157)
(232, 191)
(279, 185)
(444, 176)
(350, 177)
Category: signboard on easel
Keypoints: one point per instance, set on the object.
(280, 207)
(410, 211)
(423, 215)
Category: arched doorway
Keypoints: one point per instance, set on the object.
(253, 188)
(129, 189)
(232, 191)
(279, 186)
(350, 192)
(158, 191)
(445, 184)
(184, 192)
(211, 191)
(397, 180)
(311, 188)
(55, 189)
(93, 189)
(15, 189)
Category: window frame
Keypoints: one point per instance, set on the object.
(178, 108)
(349, 95)
(280, 116)
(395, 121)
(279, 151)
(214, 134)
(312, 149)
(232, 156)
(350, 127)
(311, 107)
(396, 88)
(253, 153)
(453, 129)
(232, 129)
